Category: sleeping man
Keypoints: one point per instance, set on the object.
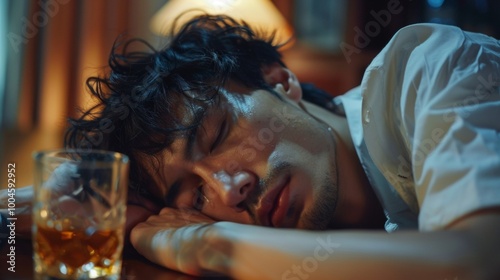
(261, 177)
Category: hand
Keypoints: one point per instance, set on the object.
(183, 240)
(139, 209)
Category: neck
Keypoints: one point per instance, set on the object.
(358, 206)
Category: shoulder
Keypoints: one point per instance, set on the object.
(431, 46)
(430, 67)
(423, 38)
(426, 97)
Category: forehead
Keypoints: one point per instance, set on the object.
(203, 119)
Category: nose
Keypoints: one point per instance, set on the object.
(234, 189)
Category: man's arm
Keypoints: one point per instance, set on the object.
(469, 249)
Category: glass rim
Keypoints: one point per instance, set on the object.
(44, 154)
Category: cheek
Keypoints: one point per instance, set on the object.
(250, 141)
(306, 135)
(265, 123)
(254, 140)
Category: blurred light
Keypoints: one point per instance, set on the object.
(435, 3)
(261, 15)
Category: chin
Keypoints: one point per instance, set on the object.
(313, 221)
(319, 215)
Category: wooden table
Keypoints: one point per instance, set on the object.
(134, 266)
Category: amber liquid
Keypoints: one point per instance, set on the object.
(68, 252)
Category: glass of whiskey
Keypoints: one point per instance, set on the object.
(79, 209)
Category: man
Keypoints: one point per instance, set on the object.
(253, 178)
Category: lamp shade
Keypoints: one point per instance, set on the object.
(261, 15)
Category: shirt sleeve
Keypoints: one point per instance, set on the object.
(443, 85)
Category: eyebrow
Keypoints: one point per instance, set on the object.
(191, 139)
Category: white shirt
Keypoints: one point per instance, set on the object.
(426, 125)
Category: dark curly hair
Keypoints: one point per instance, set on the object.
(143, 100)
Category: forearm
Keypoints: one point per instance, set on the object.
(266, 253)
(467, 250)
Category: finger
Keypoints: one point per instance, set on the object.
(173, 248)
(61, 180)
(136, 214)
(142, 236)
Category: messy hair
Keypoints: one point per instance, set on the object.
(143, 100)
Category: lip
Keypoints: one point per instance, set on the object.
(281, 206)
(273, 205)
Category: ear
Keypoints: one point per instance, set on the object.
(283, 81)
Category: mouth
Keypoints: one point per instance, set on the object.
(274, 205)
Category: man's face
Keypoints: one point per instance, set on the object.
(256, 160)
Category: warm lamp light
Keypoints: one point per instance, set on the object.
(261, 15)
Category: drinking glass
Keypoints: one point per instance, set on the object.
(79, 214)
